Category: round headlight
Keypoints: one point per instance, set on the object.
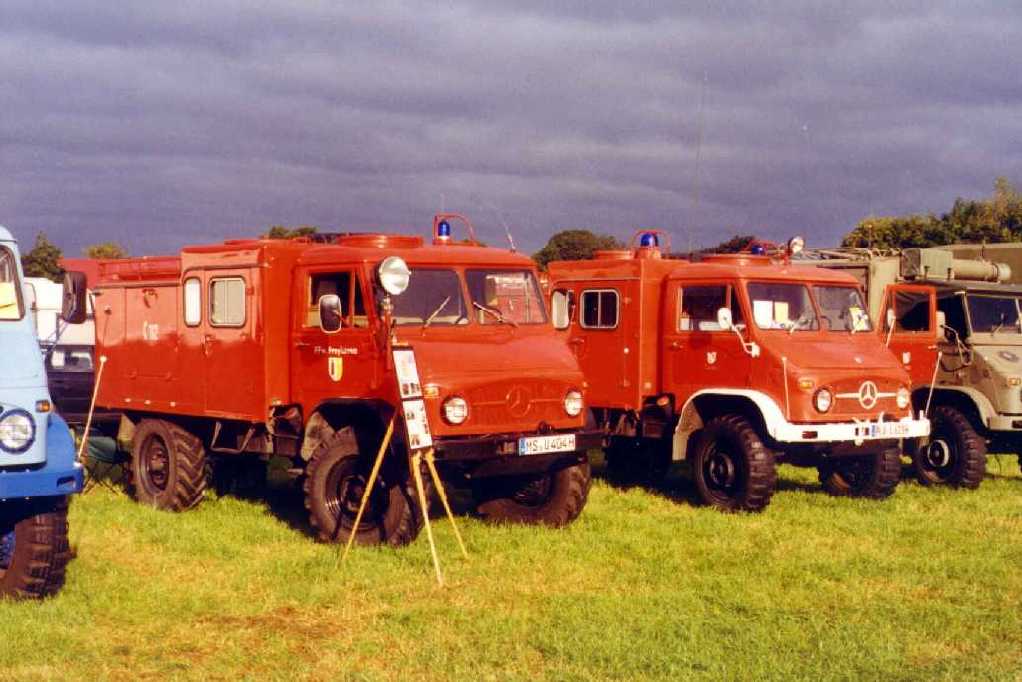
(17, 431)
(394, 275)
(903, 398)
(573, 403)
(455, 410)
(823, 400)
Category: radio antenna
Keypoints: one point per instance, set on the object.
(699, 155)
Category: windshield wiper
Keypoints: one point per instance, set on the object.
(495, 313)
(432, 315)
(799, 323)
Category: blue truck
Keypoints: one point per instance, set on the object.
(38, 467)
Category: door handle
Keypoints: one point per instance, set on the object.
(675, 345)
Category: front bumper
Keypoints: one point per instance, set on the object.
(856, 432)
(45, 482)
(499, 454)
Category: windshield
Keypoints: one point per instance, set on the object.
(510, 296)
(782, 306)
(994, 314)
(10, 296)
(433, 298)
(842, 308)
(71, 359)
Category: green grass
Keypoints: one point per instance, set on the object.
(926, 585)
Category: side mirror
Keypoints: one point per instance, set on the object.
(330, 317)
(73, 309)
(724, 320)
(941, 320)
(562, 304)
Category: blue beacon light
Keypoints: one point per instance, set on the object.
(443, 230)
(758, 250)
(648, 239)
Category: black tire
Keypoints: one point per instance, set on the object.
(873, 476)
(553, 499)
(34, 550)
(955, 455)
(733, 470)
(335, 481)
(169, 469)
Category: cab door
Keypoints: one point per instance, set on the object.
(232, 360)
(697, 352)
(913, 338)
(335, 364)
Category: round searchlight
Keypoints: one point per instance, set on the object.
(394, 274)
(796, 245)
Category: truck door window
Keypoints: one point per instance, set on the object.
(954, 314)
(599, 309)
(911, 311)
(698, 306)
(227, 302)
(10, 297)
(513, 294)
(842, 308)
(345, 286)
(562, 308)
(71, 359)
(433, 297)
(994, 314)
(193, 301)
(781, 305)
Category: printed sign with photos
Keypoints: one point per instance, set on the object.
(407, 373)
(413, 408)
(417, 425)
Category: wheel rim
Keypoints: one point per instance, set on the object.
(722, 474)
(939, 457)
(155, 463)
(345, 487)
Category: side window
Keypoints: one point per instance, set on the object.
(562, 304)
(698, 306)
(227, 302)
(599, 309)
(345, 286)
(193, 301)
(911, 311)
(954, 313)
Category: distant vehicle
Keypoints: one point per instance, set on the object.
(732, 364)
(291, 348)
(38, 469)
(955, 325)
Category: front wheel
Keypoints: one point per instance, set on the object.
(955, 454)
(732, 468)
(335, 483)
(34, 550)
(874, 476)
(553, 499)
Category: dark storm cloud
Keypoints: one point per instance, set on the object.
(172, 123)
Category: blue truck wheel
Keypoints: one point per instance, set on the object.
(34, 549)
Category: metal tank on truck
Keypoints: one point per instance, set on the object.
(38, 467)
(732, 364)
(955, 325)
(259, 348)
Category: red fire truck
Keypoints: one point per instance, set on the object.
(732, 364)
(286, 347)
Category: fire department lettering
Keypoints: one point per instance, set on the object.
(333, 351)
(335, 368)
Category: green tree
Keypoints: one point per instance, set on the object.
(736, 244)
(108, 250)
(43, 259)
(574, 245)
(282, 232)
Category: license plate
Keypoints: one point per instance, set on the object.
(540, 445)
(888, 430)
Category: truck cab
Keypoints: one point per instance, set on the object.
(38, 467)
(732, 364)
(260, 348)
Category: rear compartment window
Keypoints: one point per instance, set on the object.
(510, 295)
(600, 309)
(698, 306)
(345, 286)
(911, 311)
(433, 298)
(193, 301)
(10, 296)
(227, 302)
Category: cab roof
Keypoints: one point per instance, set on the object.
(946, 288)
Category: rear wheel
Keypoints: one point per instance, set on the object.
(335, 483)
(34, 550)
(873, 476)
(955, 454)
(732, 468)
(552, 499)
(168, 466)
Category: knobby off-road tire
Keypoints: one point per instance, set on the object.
(554, 499)
(873, 476)
(169, 469)
(34, 551)
(956, 455)
(733, 470)
(335, 481)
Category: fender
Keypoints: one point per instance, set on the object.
(984, 408)
(691, 421)
(323, 422)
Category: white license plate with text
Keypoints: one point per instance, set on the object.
(540, 445)
(888, 430)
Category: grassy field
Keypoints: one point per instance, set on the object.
(926, 585)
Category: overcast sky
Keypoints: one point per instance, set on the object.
(188, 122)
